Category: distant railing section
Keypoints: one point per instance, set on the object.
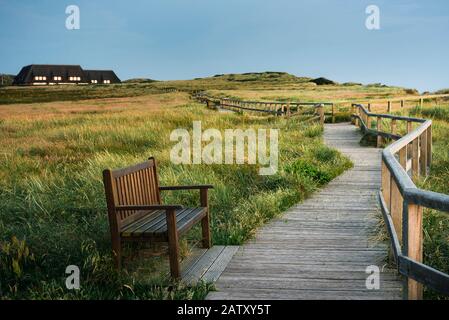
(398, 104)
(401, 202)
(275, 108)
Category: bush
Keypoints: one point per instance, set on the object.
(309, 170)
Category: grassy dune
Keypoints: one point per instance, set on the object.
(269, 86)
(52, 207)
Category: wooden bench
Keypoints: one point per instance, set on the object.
(136, 213)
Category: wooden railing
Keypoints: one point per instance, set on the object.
(288, 109)
(400, 103)
(401, 202)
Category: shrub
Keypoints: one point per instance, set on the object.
(307, 169)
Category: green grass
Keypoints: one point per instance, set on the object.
(52, 206)
(33, 94)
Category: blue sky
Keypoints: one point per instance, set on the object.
(184, 39)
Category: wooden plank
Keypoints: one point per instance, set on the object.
(268, 294)
(219, 265)
(197, 271)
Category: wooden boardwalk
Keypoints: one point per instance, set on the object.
(319, 249)
(206, 264)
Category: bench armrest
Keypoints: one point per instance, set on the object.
(149, 207)
(196, 187)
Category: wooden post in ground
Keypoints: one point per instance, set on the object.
(352, 113)
(421, 102)
(389, 107)
(321, 113)
(288, 110)
(393, 126)
(379, 129)
(429, 146)
(423, 154)
(369, 107)
(396, 207)
(396, 197)
(333, 113)
(414, 247)
(415, 159)
(409, 126)
(402, 103)
(386, 185)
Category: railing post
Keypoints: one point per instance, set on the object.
(396, 207)
(386, 184)
(423, 154)
(429, 146)
(321, 113)
(413, 246)
(368, 121)
(393, 126)
(409, 126)
(333, 113)
(379, 129)
(352, 113)
(396, 198)
(415, 159)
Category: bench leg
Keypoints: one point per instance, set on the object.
(205, 222)
(205, 228)
(173, 246)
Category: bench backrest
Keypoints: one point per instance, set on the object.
(135, 185)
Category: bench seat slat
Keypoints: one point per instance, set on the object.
(154, 223)
(161, 226)
(159, 222)
(147, 218)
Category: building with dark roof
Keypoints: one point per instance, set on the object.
(46, 74)
(101, 76)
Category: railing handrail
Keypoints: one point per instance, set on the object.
(412, 196)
